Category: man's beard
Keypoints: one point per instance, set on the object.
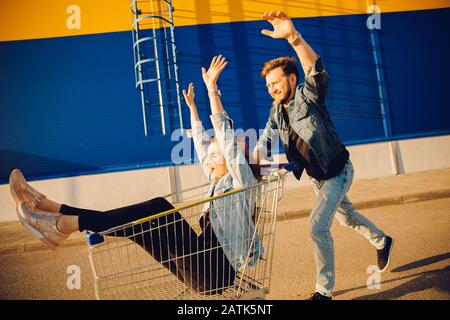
(285, 98)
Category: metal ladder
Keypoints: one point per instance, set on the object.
(155, 65)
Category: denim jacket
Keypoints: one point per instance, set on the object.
(231, 216)
(308, 117)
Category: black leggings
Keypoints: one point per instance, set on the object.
(198, 261)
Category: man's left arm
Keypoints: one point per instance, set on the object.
(316, 83)
(316, 78)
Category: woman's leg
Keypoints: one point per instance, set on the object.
(77, 219)
(166, 239)
(199, 262)
(219, 273)
(73, 211)
(46, 204)
(208, 271)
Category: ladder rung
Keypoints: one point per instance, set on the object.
(136, 21)
(143, 40)
(140, 62)
(163, 79)
(145, 81)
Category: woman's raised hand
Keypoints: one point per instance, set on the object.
(211, 76)
(189, 96)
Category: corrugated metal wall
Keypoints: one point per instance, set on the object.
(68, 105)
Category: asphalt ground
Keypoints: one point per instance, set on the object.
(420, 268)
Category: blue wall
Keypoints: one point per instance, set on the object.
(69, 106)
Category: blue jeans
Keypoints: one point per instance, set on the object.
(332, 201)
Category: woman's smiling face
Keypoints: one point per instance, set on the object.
(216, 161)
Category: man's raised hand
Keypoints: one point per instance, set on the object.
(283, 28)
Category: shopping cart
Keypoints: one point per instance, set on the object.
(156, 258)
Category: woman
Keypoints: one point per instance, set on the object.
(208, 262)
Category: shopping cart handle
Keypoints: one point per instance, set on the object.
(291, 166)
(274, 169)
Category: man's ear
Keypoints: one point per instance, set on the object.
(293, 79)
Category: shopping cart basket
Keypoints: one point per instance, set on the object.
(158, 257)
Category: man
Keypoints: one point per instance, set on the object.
(310, 139)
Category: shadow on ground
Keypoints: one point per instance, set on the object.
(438, 279)
(422, 263)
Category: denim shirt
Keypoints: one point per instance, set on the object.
(308, 117)
(231, 216)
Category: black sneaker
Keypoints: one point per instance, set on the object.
(384, 255)
(318, 296)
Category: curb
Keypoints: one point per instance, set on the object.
(281, 216)
(410, 198)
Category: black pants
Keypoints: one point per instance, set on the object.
(198, 261)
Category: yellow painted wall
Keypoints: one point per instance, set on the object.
(31, 19)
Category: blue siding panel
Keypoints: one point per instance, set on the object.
(68, 106)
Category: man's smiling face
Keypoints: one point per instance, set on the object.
(280, 86)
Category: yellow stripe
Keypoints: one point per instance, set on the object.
(31, 19)
(190, 205)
